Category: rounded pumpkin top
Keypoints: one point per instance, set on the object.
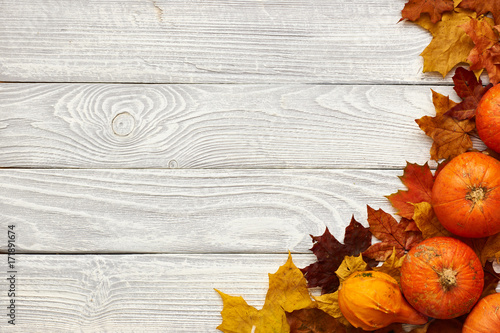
(466, 195)
(442, 277)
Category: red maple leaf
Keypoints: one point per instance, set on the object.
(435, 8)
(392, 235)
(419, 180)
(482, 7)
(330, 253)
(470, 89)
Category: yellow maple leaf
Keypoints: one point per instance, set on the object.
(349, 265)
(451, 136)
(450, 44)
(427, 221)
(487, 248)
(287, 292)
(392, 266)
(329, 303)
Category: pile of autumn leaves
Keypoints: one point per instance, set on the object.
(461, 34)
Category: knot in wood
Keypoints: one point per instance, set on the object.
(123, 124)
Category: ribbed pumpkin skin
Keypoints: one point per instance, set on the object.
(372, 300)
(485, 317)
(442, 277)
(488, 118)
(466, 195)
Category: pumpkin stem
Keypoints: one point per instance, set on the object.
(476, 194)
(448, 279)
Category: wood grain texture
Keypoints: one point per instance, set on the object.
(213, 126)
(216, 41)
(135, 293)
(185, 211)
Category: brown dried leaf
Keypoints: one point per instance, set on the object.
(393, 235)
(451, 136)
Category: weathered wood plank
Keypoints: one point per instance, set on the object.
(217, 41)
(185, 211)
(134, 293)
(213, 126)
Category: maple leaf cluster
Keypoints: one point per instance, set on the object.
(461, 33)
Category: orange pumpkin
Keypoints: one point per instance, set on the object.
(372, 300)
(488, 118)
(442, 277)
(466, 195)
(485, 317)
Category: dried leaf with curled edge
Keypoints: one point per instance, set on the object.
(451, 136)
(287, 292)
(450, 44)
(413, 9)
(419, 181)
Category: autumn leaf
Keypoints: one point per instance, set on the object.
(451, 136)
(419, 180)
(392, 266)
(329, 303)
(482, 7)
(486, 52)
(470, 89)
(330, 253)
(413, 9)
(427, 221)
(287, 292)
(491, 280)
(313, 321)
(391, 234)
(450, 44)
(349, 265)
(486, 247)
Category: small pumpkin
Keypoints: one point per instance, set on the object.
(442, 277)
(466, 195)
(372, 300)
(488, 118)
(485, 317)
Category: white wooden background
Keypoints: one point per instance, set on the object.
(151, 151)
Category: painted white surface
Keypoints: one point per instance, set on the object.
(213, 126)
(216, 41)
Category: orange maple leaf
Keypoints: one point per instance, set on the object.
(451, 136)
(287, 292)
(413, 9)
(482, 7)
(419, 180)
(486, 52)
(392, 235)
